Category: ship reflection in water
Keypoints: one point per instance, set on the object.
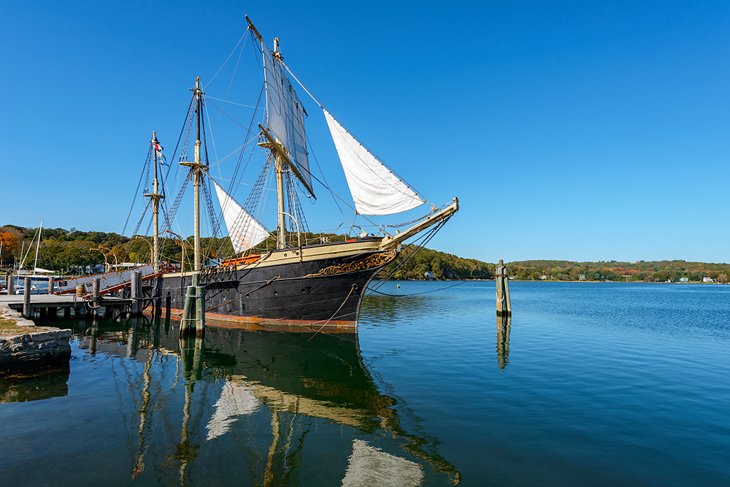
(267, 408)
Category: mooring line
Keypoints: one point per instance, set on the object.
(243, 295)
(416, 294)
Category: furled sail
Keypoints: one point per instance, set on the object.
(375, 189)
(244, 230)
(285, 114)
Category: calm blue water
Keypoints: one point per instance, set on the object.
(589, 384)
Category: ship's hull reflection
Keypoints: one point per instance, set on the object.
(280, 406)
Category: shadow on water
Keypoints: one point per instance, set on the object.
(310, 395)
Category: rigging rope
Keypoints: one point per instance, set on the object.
(141, 219)
(237, 168)
(419, 244)
(352, 290)
(242, 295)
(242, 38)
(136, 191)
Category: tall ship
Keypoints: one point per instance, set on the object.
(294, 282)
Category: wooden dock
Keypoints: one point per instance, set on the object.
(50, 304)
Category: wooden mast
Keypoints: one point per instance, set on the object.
(279, 168)
(198, 168)
(282, 159)
(155, 196)
(280, 156)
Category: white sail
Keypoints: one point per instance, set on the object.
(285, 114)
(374, 188)
(245, 231)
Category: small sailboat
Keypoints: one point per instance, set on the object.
(295, 283)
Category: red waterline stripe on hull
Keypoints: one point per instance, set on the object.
(257, 323)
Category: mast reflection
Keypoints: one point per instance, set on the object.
(283, 401)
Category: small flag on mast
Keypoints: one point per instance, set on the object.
(158, 151)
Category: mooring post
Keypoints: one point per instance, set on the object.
(26, 297)
(135, 291)
(193, 319)
(188, 311)
(95, 289)
(504, 302)
(9, 283)
(199, 311)
(51, 282)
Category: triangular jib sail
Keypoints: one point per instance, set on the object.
(375, 189)
(285, 114)
(245, 231)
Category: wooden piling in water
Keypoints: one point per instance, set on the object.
(136, 292)
(188, 311)
(504, 302)
(95, 288)
(199, 311)
(193, 319)
(9, 283)
(51, 283)
(26, 297)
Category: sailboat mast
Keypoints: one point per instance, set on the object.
(37, 247)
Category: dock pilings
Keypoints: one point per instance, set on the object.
(193, 319)
(504, 302)
(136, 292)
(26, 297)
(95, 293)
(9, 283)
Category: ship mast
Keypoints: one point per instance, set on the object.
(155, 196)
(284, 159)
(280, 157)
(197, 167)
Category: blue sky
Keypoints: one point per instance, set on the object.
(569, 130)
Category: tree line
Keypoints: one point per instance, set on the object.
(72, 251)
(641, 271)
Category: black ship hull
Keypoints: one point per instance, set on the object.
(322, 293)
